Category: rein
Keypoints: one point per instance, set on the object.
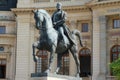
(44, 29)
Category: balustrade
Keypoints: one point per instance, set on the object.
(61, 0)
(103, 0)
(110, 78)
(37, 1)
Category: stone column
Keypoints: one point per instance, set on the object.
(96, 47)
(99, 47)
(103, 64)
(24, 49)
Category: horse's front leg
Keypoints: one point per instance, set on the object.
(34, 45)
(52, 53)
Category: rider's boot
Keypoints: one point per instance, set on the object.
(64, 41)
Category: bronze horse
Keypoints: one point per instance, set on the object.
(49, 40)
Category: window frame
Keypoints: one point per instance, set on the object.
(4, 28)
(114, 24)
(85, 52)
(111, 56)
(84, 28)
(10, 4)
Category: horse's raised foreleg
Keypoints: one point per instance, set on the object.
(34, 45)
(75, 56)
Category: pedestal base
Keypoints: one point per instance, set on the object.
(55, 77)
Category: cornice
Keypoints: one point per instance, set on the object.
(86, 7)
(9, 45)
(7, 35)
(21, 10)
(51, 9)
(71, 8)
(101, 4)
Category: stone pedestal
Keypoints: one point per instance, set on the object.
(55, 77)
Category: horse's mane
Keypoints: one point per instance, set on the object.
(46, 16)
(45, 13)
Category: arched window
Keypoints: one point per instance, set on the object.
(64, 70)
(2, 68)
(42, 62)
(85, 62)
(115, 52)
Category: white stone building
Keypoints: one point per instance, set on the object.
(98, 21)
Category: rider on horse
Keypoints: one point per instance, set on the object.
(58, 19)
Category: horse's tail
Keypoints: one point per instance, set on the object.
(78, 34)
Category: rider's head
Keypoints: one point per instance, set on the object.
(59, 6)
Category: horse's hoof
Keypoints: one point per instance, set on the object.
(55, 73)
(47, 71)
(77, 75)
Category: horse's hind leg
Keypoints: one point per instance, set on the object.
(75, 56)
(59, 62)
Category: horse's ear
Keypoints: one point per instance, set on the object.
(33, 11)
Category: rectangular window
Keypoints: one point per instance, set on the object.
(84, 27)
(2, 68)
(6, 5)
(116, 23)
(2, 29)
(3, 2)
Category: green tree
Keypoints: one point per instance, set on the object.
(115, 67)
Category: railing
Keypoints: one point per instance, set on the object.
(61, 0)
(3, 79)
(103, 0)
(110, 78)
(36, 1)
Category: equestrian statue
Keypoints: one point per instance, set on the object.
(56, 37)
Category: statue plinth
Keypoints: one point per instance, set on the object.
(39, 75)
(45, 76)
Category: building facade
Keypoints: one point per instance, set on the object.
(98, 21)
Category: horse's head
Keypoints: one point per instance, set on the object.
(38, 18)
(41, 17)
